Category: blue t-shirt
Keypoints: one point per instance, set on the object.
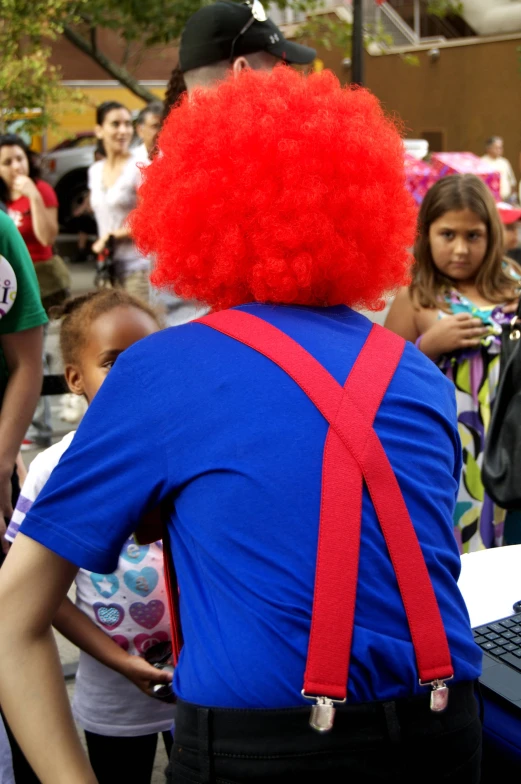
(192, 418)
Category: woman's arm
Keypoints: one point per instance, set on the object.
(511, 175)
(123, 233)
(401, 319)
(23, 355)
(33, 583)
(44, 219)
(21, 470)
(82, 632)
(444, 335)
(83, 207)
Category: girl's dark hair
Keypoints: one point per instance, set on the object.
(78, 313)
(13, 140)
(459, 192)
(99, 152)
(104, 108)
(176, 87)
(101, 112)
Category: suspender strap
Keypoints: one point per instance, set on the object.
(172, 591)
(352, 451)
(339, 533)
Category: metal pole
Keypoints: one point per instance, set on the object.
(357, 44)
(417, 19)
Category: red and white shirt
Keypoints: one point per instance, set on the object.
(20, 212)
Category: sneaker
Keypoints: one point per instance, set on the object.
(73, 408)
(36, 442)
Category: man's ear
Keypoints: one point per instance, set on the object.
(239, 65)
(74, 379)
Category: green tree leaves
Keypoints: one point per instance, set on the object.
(29, 85)
(28, 81)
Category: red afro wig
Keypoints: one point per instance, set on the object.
(277, 187)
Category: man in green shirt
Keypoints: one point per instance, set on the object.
(21, 345)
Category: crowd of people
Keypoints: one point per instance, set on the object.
(258, 498)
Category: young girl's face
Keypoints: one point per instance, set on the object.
(109, 335)
(458, 242)
(116, 131)
(13, 161)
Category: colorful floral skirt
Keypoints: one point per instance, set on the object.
(478, 522)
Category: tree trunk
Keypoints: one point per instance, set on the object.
(113, 69)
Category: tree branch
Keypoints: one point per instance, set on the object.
(114, 70)
(94, 39)
(126, 54)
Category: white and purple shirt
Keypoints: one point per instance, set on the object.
(129, 604)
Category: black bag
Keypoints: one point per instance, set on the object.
(502, 459)
(106, 266)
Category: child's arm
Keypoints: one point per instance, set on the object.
(34, 580)
(401, 319)
(82, 632)
(444, 335)
(21, 470)
(23, 357)
(69, 620)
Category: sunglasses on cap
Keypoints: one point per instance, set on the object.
(258, 14)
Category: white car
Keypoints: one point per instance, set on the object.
(65, 168)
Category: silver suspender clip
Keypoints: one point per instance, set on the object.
(322, 713)
(439, 694)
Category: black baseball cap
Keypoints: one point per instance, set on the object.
(211, 32)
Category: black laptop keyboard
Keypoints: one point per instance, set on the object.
(502, 640)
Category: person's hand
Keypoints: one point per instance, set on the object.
(99, 245)
(511, 307)
(3, 541)
(6, 507)
(23, 185)
(143, 674)
(451, 333)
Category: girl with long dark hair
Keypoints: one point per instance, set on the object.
(113, 184)
(33, 206)
(462, 292)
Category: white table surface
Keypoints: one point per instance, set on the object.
(490, 582)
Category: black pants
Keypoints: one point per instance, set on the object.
(125, 760)
(401, 741)
(23, 773)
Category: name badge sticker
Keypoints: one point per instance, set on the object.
(8, 287)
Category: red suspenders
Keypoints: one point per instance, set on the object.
(353, 454)
(172, 591)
